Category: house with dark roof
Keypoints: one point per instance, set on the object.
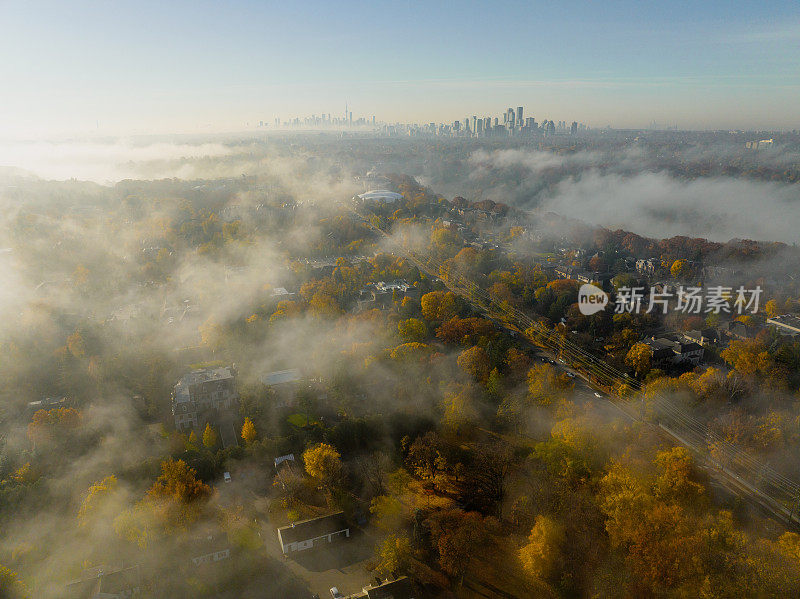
(315, 532)
(201, 393)
(674, 348)
(739, 330)
(786, 324)
(102, 583)
(399, 588)
(707, 336)
(209, 549)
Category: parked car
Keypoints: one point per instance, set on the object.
(335, 594)
(226, 477)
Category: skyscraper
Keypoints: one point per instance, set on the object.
(519, 116)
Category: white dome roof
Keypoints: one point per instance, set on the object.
(381, 194)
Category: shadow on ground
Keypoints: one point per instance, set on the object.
(336, 555)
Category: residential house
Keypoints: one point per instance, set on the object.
(209, 550)
(383, 294)
(707, 336)
(284, 384)
(647, 266)
(47, 403)
(201, 394)
(674, 348)
(316, 532)
(785, 324)
(102, 583)
(735, 329)
(399, 588)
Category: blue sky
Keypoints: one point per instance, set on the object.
(174, 66)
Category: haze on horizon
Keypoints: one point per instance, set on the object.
(90, 68)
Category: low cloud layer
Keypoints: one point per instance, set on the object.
(625, 189)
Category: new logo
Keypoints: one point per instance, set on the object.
(591, 299)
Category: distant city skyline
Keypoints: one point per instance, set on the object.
(88, 67)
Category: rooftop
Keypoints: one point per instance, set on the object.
(280, 376)
(201, 375)
(380, 194)
(313, 528)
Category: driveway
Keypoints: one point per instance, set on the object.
(341, 564)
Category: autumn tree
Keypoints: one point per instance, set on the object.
(749, 357)
(772, 308)
(457, 534)
(323, 463)
(438, 305)
(475, 363)
(387, 512)
(412, 329)
(425, 455)
(541, 555)
(460, 409)
(177, 495)
(96, 496)
(210, 437)
(679, 269)
(676, 480)
(248, 431)
(11, 586)
(546, 385)
(51, 425)
(394, 554)
(639, 358)
(464, 331)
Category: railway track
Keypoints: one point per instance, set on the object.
(746, 475)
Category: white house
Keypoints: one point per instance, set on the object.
(315, 532)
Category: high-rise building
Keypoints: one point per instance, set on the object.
(574, 128)
(511, 118)
(519, 116)
(474, 124)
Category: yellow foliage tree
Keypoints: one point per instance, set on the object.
(95, 497)
(438, 305)
(248, 431)
(210, 438)
(543, 551)
(679, 268)
(323, 462)
(639, 357)
(546, 385)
